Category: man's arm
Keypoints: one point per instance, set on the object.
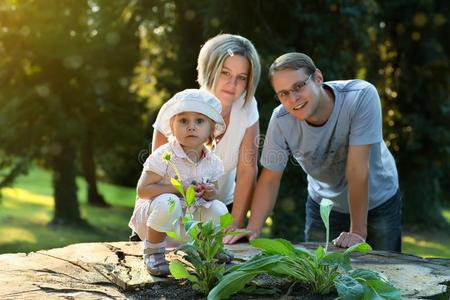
(358, 192)
(263, 202)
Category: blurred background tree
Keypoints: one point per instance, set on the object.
(91, 82)
(64, 98)
(412, 71)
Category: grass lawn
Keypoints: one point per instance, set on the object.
(27, 208)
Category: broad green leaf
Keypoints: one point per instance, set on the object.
(337, 259)
(376, 285)
(191, 228)
(325, 208)
(361, 247)
(187, 217)
(273, 246)
(190, 224)
(281, 268)
(190, 195)
(179, 271)
(172, 234)
(177, 185)
(383, 290)
(320, 253)
(215, 249)
(348, 288)
(191, 255)
(186, 248)
(217, 230)
(260, 263)
(226, 220)
(232, 283)
(365, 274)
(302, 251)
(208, 227)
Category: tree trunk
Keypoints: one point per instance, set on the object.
(67, 210)
(89, 171)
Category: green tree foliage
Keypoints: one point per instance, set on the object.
(412, 73)
(37, 98)
(114, 117)
(171, 36)
(64, 88)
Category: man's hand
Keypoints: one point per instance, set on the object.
(246, 233)
(348, 239)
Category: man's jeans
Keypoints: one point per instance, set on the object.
(384, 228)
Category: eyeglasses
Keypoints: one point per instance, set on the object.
(296, 88)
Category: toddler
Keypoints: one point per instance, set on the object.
(192, 119)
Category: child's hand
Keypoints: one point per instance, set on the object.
(198, 190)
(208, 191)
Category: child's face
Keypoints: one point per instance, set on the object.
(191, 129)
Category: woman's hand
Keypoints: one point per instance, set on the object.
(246, 234)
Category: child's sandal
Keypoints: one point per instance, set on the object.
(156, 263)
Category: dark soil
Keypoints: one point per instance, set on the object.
(276, 289)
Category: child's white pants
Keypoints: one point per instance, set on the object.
(156, 214)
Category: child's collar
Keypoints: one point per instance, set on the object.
(179, 151)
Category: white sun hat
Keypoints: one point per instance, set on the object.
(191, 100)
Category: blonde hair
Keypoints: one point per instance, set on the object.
(213, 54)
(211, 142)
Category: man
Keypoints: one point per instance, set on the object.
(334, 131)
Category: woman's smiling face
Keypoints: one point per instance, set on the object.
(233, 79)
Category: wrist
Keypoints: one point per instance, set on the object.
(362, 238)
(238, 223)
(254, 227)
(362, 232)
(238, 218)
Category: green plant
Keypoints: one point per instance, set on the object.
(201, 250)
(320, 271)
(204, 241)
(188, 195)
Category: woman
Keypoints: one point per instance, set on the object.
(228, 66)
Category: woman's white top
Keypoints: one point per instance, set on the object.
(241, 117)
